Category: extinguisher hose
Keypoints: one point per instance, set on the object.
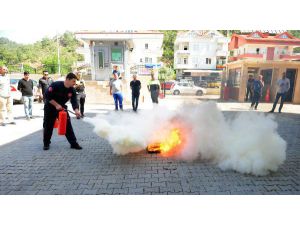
(72, 113)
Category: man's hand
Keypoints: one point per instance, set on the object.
(58, 107)
(77, 113)
(110, 93)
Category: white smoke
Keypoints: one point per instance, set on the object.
(247, 143)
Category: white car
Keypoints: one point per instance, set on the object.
(187, 88)
(17, 95)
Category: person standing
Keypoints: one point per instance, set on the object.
(249, 88)
(44, 83)
(283, 86)
(258, 85)
(154, 87)
(116, 91)
(6, 100)
(116, 70)
(25, 86)
(135, 86)
(80, 91)
(56, 97)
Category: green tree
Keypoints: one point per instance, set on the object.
(40, 55)
(295, 33)
(168, 47)
(166, 73)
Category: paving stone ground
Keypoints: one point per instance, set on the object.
(26, 169)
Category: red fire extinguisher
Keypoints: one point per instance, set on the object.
(62, 126)
(267, 98)
(56, 123)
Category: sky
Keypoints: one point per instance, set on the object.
(30, 20)
(30, 36)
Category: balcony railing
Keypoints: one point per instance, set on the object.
(289, 57)
(182, 51)
(250, 55)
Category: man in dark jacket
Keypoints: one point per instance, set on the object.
(135, 86)
(249, 88)
(25, 86)
(44, 83)
(56, 97)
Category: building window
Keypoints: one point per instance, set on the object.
(101, 60)
(257, 51)
(148, 60)
(208, 60)
(185, 47)
(185, 61)
(146, 46)
(178, 61)
(283, 36)
(116, 43)
(141, 60)
(256, 35)
(116, 55)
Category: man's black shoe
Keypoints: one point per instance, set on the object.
(271, 111)
(76, 146)
(46, 147)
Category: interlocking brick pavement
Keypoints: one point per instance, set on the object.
(26, 169)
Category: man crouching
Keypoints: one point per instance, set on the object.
(56, 96)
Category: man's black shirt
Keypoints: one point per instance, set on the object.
(135, 87)
(44, 83)
(58, 92)
(26, 87)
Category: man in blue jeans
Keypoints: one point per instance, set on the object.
(258, 85)
(283, 88)
(25, 85)
(116, 91)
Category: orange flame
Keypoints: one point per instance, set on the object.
(172, 141)
(169, 144)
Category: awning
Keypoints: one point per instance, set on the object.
(152, 65)
(203, 71)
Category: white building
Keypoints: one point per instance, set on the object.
(198, 53)
(104, 49)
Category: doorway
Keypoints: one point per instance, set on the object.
(291, 74)
(267, 78)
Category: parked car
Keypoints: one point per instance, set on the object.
(187, 88)
(17, 95)
(202, 84)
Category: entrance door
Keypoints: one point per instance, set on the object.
(267, 78)
(270, 53)
(291, 74)
(102, 70)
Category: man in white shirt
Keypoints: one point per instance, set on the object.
(283, 88)
(6, 100)
(116, 91)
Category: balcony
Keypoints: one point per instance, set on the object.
(250, 55)
(183, 66)
(289, 57)
(182, 52)
(232, 58)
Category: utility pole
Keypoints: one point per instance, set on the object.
(58, 54)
